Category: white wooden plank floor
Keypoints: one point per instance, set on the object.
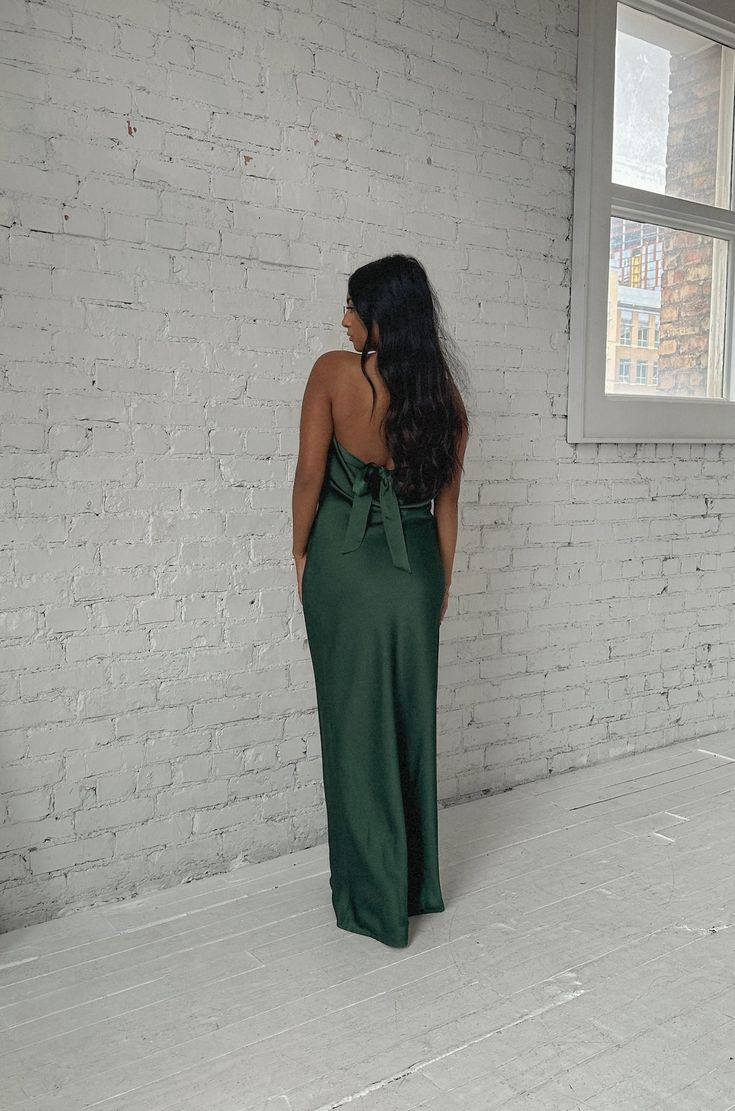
(585, 960)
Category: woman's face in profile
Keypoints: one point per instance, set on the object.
(356, 330)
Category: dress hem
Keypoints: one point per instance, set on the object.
(384, 941)
(367, 933)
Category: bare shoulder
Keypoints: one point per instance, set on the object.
(328, 360)
(324, 371)
(331, 366)
(335, 372)
(342, 357)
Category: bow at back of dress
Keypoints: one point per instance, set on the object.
(370, 487)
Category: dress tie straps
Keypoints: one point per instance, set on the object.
(390, 509)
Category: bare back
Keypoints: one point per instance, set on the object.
(354, 427)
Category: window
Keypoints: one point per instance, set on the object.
(643, 329)
(626, 328)
(653, 246)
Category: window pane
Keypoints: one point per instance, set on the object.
(667, 133)
(666, 311)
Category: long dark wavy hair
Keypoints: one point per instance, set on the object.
(418, 361)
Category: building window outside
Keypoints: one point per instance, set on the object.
(643, 329)
(626, 328)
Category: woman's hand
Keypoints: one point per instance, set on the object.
(445, 603)
(300, 562)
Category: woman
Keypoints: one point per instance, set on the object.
(381, 435)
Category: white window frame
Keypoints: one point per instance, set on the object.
(593, 415)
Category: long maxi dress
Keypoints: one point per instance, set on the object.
(372, 591)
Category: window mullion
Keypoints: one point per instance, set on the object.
(647, 207)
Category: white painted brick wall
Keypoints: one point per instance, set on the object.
(185, 193)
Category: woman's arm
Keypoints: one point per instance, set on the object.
(446, 514)
(315, 434)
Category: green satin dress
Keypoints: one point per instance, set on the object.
(372, 591)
